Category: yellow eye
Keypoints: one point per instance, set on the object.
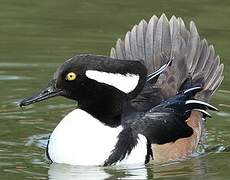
(71, 76)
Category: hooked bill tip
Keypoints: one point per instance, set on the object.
(21, 103)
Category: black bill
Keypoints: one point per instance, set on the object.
(45, 94)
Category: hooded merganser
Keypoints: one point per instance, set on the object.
(138, 94)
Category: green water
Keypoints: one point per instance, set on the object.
(36, 36)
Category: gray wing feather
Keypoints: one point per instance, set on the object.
(149, 43)
(175, 35)
(193, 56)
(194, 44)
(183, 31)
(203, 57)
(120, 49)
(113, 53)
(133, 43)
(141, 33)
(128, 53)
(162, 42)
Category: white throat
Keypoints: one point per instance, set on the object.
(80, 139)
(125, 83)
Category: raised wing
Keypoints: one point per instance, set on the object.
(192, 56)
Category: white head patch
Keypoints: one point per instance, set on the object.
(125, 83)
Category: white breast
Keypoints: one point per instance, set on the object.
(80, 139)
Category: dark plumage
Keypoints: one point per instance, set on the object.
(162, 124)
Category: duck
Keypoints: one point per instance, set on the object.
(145, 103)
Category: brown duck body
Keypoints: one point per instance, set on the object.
(183, 147)
(193, 58)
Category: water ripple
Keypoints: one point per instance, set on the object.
(13, 77)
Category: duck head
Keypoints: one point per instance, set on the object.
(100, 85)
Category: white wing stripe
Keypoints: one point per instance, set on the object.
(204, 112)
(202, 103)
